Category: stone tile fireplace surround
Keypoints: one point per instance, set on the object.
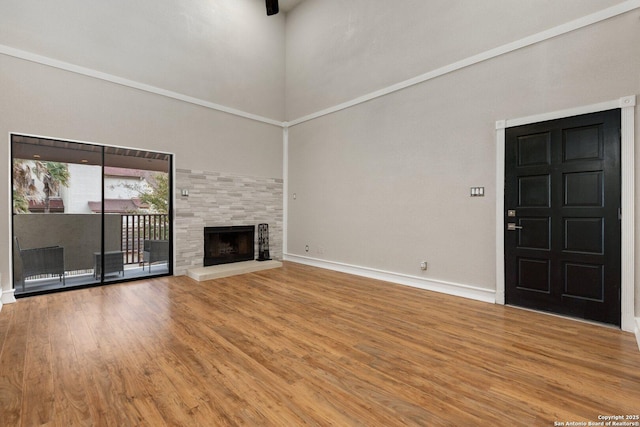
(221, 199)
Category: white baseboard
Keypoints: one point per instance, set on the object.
(7, 296)
(637, 331)
(456, 289)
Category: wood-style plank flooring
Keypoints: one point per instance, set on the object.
(302, 346)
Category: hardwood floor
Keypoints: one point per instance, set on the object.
(302, 346)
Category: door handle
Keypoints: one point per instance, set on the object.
(511, 226)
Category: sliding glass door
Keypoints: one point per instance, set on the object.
(141, 180)
(85, 214)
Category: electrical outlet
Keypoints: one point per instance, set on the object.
(306, 248)
(423, 265)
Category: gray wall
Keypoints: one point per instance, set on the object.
(225, 52)
(338, 51)
(385, 184)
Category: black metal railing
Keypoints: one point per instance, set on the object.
(136, 228)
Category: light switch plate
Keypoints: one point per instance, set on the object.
(477, 192)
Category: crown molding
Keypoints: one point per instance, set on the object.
(568, 27)
(66, 66)
(542, 36)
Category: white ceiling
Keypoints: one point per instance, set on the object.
(287, 5)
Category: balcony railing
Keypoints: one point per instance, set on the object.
(136, 228)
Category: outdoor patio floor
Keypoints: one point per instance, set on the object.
(81, 280)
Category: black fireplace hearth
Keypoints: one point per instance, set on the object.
(223, 245)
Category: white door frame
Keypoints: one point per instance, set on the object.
(627, 260)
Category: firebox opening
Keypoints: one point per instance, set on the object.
(223, 245)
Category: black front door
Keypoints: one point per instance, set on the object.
(562, 216)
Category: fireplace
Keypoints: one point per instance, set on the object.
(223, 245)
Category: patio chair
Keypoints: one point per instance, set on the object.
(155, 251)
(37, 261)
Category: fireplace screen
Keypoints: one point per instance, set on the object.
(223, 245)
